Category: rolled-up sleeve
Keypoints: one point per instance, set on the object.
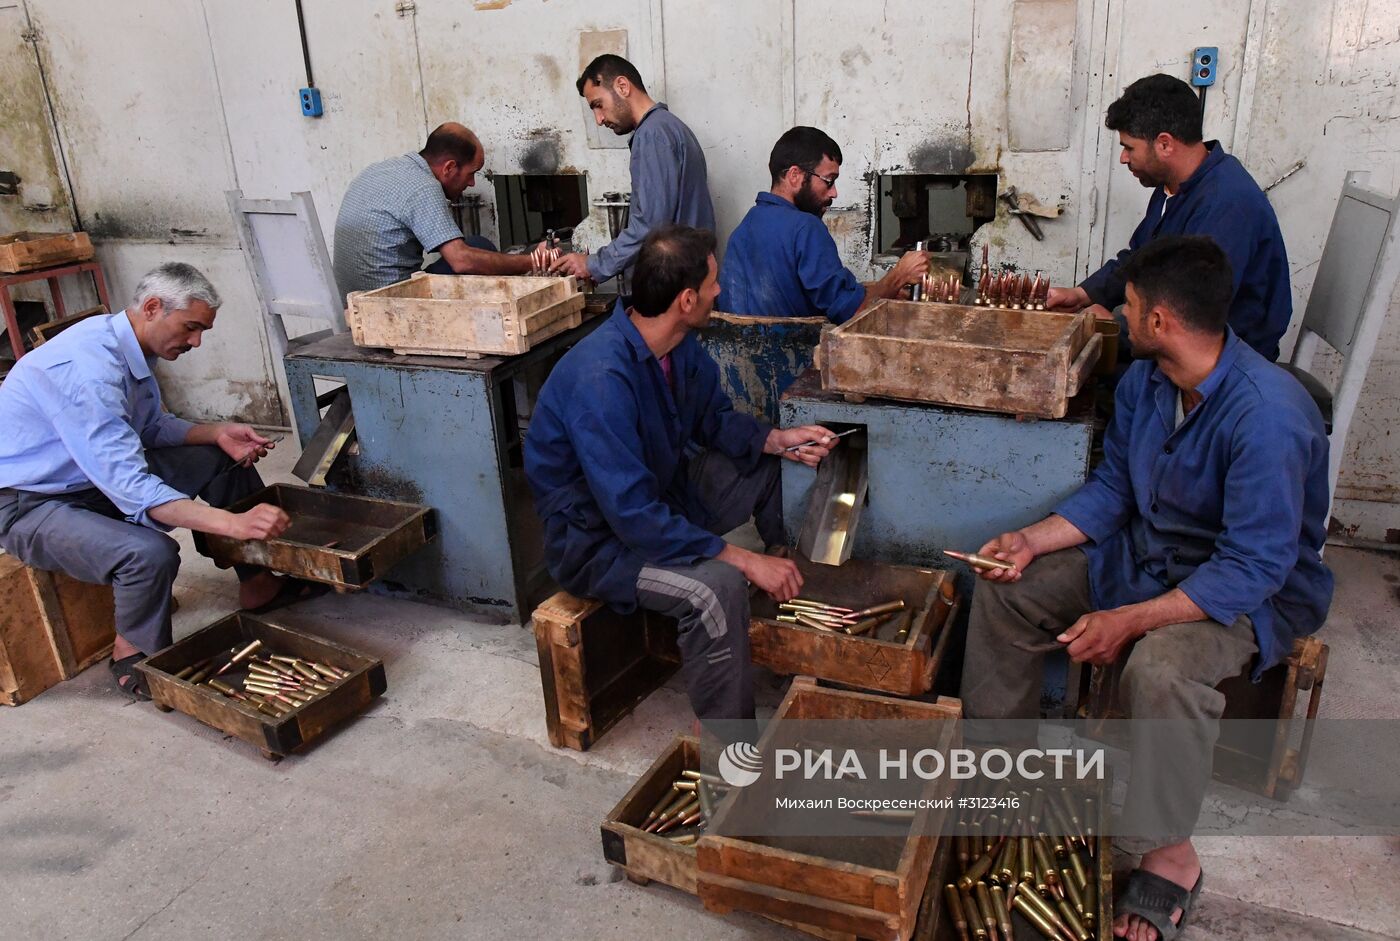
(1105, 503)
(89, 418)
(1263, 514)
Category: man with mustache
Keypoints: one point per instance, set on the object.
(669, 180)
(1197, 189)
(782, 261)
(93, 473)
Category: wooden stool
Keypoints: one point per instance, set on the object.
(596, 665)
(1272, 768)
(52, 627)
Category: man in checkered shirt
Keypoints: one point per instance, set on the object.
(397, 209)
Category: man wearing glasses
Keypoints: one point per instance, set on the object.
(782, 261)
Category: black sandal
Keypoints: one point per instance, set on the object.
(1153, 899)
(125, 669)
(291, 591)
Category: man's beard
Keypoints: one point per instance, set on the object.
(808, 201)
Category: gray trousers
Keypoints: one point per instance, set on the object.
(711, 598)
(1170, 674)
(84, 535)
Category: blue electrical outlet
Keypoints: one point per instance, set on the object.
(310, 102)
(1204, 62)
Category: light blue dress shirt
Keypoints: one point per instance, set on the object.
(80, 412)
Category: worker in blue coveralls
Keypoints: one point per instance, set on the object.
(1194, 550)
(1197, 189)
(782, 262)
(639, 462)
(670, 182)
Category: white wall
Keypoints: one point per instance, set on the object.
(161, 105)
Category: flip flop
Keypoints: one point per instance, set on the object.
(291, 591)
(1153, 899)
(125, 669)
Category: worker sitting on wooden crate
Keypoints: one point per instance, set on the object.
(670, 181)
(782, 262)
(398, 208)
(639, 462)
(93, 472)
(1197, 189)
(1200, 538)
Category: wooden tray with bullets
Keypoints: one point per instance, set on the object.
(631, 843)
(1021, 362)
(464, 315)
(335, 538)
(899, 655)
(596, 665)
(178, 679)
(869, 886)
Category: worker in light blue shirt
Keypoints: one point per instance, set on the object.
(781, 260)
(93, 472)
(1197, 189)
(1194, 548)
(670, 183)
(639, 464)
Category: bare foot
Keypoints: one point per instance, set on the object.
(1177, 863)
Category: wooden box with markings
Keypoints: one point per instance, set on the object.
(1021, 362)
(347, 697)
(464, 315)
(335, 538)
(52, 627)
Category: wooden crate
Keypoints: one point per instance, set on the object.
(25, 251)
(275, 737)
(464, 315)
(868, 886)
(335, 538)
(1270, 765)
(644, 856)
(1014, 361)
(52, 627)
(596, 665)
(875, 662)
(44, 332)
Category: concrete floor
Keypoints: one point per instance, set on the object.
(444, 813)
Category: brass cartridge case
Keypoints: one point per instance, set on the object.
(896, 605)
(1027, 860)
(953, 902)
(1005, 869)
(1034, 916)
(305, 671)
(1076, 866)
(984, 905)
(1071, 919)
(974, 917)
(979, 869)
(1048, 912)
(1072, 890)
(325, 671)
(222, 687)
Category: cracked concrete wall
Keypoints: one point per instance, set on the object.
(160, 105)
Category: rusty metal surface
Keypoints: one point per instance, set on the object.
(759, 357)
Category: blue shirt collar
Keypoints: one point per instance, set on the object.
(658, 106)
(422, 164)
(768, 199)
(131, 347)
(1214, 155)
(640, 351)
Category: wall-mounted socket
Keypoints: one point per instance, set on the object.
(1204, 65)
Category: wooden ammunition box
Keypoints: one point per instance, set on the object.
(335, 538)
(52, 627)
(25, 251)
(464, 315)
(1020, 362)
(274, 736)
(869, 886)
(876, 661)
(596, 665)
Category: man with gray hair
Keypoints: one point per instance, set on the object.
(93, 473)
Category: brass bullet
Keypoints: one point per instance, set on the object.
(684, 785)
(325, 671)
(1071, 919)
(1045, 861)
(685, 839)
(984, 905)
(808, 602)
(962, 842)
(1033, 915)
(979, 869)
(1027, 860)
(305, 670)
(1002, 909)
(239, 656)
(979, 561)
(1081, 875)
(974, 917)
(661, 804)
(896, 605)
(953, 903)
(813, 622)
(1006, 863)
(1048, 912)
(865, 625)
(1072, 892)
(222, 687)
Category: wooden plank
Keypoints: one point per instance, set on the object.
(26, 251)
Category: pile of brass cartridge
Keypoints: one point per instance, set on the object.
(686, 808)
(1042, 867)
(830, 617)
(1010, 291)
(273, 686)
(940, 288)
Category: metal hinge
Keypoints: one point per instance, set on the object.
(30, 34)
(405, 8)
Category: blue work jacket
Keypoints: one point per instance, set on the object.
(606, 456)
(1231, 507)
(1220, 200)
(782, 262)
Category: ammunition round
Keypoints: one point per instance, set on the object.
(974, 917)
(1033, 915)
(953, 903)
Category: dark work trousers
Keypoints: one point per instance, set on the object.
(711, 598)
(84, 535)
(1168, 686)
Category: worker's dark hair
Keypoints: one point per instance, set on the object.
(450, 142)
(607, 67)
(1154, 105)
(801, 147)
(673, 258)
(1187, 274)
